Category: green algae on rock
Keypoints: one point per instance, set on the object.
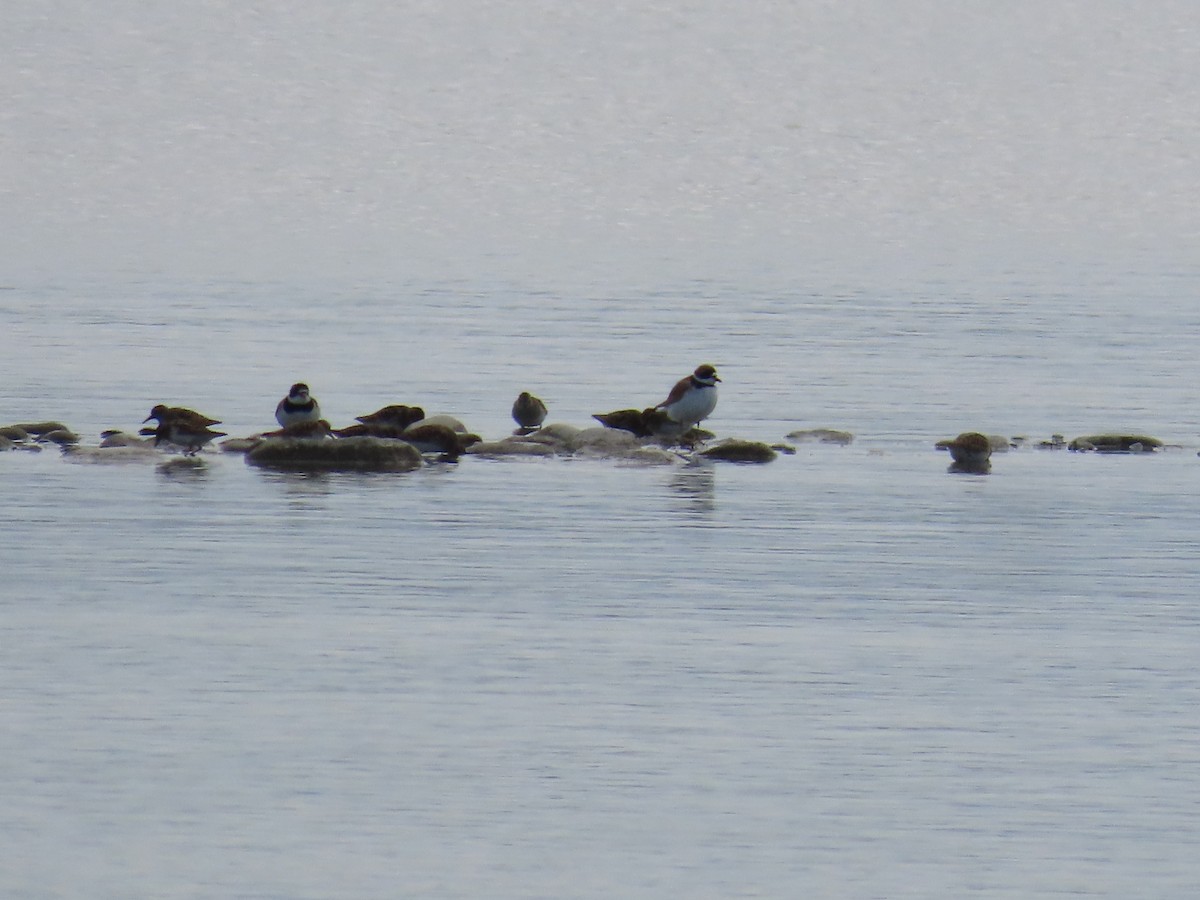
(354, 454)
(738, 451)
(1116, 443)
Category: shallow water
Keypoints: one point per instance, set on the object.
(847, 670)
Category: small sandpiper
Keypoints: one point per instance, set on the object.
(179, 413)
(693, 398)
(184, 432)
(298, 406)
(528, 411)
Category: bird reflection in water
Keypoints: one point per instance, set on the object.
(696, 484)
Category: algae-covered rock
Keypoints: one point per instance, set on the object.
(38, 429)
(1116, 443)
(14, 433)
(739, 451)
(355, 454)
(971, 448)
(60, 436)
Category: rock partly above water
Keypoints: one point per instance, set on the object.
(353, 454)
(739, 451)
(1116, 443)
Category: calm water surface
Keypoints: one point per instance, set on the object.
(848, 673)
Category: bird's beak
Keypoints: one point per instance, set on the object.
(715, 378)
(147, 419)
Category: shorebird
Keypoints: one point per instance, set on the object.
(185, 432)
(693, 398)
(298, 406)
(528, 411)
(179, 413)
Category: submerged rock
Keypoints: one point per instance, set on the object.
(734, 450)
(355, 454)
(1116, 443)
(112, 453)
(821, 435)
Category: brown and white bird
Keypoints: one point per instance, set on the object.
(693, 398)
(162, 411)
(298, 406)
(185, 432)
(528, 411)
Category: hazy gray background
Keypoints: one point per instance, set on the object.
(278, 138)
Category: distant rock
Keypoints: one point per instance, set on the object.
(821, 435)
(1116, 443)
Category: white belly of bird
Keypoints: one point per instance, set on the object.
(295, 417)
(694, 406)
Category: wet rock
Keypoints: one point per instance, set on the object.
(1116, 443)
(970, 451)
(734, 450)
(355, 454)
(999, 443)
(559, 434)
(513, 446)
(821, 435)
(241, 444)
(604, 442)
(60, 436)
(14, 433)
(39, 429)
(114, 438)
(6, 443)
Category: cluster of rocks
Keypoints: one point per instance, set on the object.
(972, 451)
(33, 435)
(401, 438)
